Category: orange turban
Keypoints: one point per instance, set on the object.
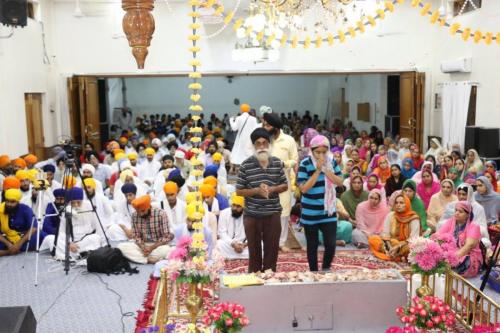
(11, 182)
(123, 140)
(69, 182)
(19, 162)
(30, 159)
(210, 180)
(245, 108)
(4, 161)
(112, 145)
(142, 203)
(207, 190)
(170, 188)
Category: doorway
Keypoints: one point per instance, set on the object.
(34, 124)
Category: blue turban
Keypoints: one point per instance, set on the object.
(49, 168)
(211, 170)
(76, 193)
(173, 173)
(59, 192)
(129, 188)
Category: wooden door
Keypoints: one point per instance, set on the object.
(34, 124)
(88, 99)
(74, 109)
(411, 106)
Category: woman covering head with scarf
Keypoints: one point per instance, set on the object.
(427, 187)
(488, 199)
(467, 236)
(454, 176)
(427, 165)
(308, 135)
(318, 174)
(492, 177)
(383, 171)
(473, 165)
(373, 182)
(400, 226)
(417, 205)
(465, 192)
(492, 166)
(353, 197)
(370, 217)
(435, 148)
(407, 170)
(439, 201)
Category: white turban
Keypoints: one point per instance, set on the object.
(125, 164)
(170, 137)
(156, 142)
(179, 154)
(265, 109)
(88, 167)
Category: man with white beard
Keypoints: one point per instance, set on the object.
(232, 243)
(260, 180)
(150, 167)
(102, 204)
(86, 232)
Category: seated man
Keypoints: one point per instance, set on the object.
(232, 243)
(51, 220)
(121, 229)
(100, 201)
(16, 232)
(86, 232)
(194, 212)
(151, 233)
(173, 206)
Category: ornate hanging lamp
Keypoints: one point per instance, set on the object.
(139, 26)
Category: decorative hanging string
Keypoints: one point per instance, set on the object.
(455, 28)
(219, 11)
(319, 39)
(195, 87)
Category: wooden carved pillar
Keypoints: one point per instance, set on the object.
(139, 26)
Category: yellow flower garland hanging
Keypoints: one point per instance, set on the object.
(455, 28)
(294, 42)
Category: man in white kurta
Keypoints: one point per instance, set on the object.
(150, 167)
(87, 234)
(121, 229)
(102, 204)
(172, 205)
(244, 124)
(232, 243)
(283, 146)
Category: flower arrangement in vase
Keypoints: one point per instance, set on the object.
(432, 256)
(425, 313)
(226, 318)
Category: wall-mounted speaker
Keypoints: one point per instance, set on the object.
(14, 12)
(488, 141)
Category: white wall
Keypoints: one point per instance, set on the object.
(403, 41)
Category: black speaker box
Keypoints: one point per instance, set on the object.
(19, 319)
(488, 141)
(14, 12)
(471, 137)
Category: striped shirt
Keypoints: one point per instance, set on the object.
(251, 175)
(313, 201)
(153, 228)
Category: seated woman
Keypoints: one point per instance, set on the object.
(473, 165)
(439, 201)
(400, 227)
(427, 165)
(488, 199)
(370, 217)
(417, 205)
(408, 170)
(427, 187)
(383, 171)
(454, 176)
(373, 182)
(353, 197)
(395, 182)
(467, 236)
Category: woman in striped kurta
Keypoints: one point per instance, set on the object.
(318, 175)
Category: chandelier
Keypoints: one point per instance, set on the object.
(286, 18)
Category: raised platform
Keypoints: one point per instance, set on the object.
(340, 306)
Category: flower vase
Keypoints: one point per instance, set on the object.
(425, 289)
(194, 303)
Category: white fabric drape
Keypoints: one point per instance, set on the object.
(455, 101)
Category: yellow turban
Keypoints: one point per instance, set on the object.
(195, 211)
(4, 161)
(32, 174)
(207, 190)
(149, 151)
(210, 180)
(170, 188)
(89, 182)
(123, 140)
(217, 157)
(192, 197)
(118, 151)
(142, 203)
(120, 156)
(22, 175)
(245, 108)
(126, 173)
(132, 156)
(30, 159)
(238, 200)
(195, 161)
(69, 182)
(13, 194)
